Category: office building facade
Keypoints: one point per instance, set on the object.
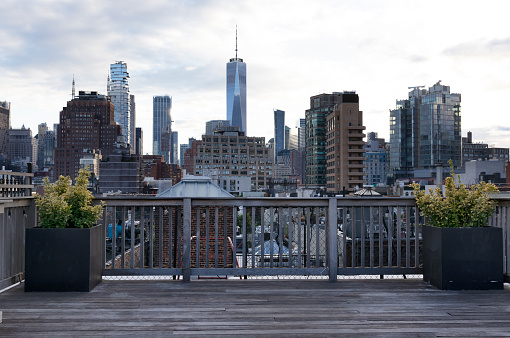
(139, 141)
(87, 123)
(425, 132)
(162, 126)
(279, 131)
(213, 126)
(376, 160)
(480, 151)
(315, 138)
(5, 125)
(21, 147)
(175, 148)
(235, 155)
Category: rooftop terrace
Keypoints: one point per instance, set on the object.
(275, 245)
(390, 308)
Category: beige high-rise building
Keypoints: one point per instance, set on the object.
(235, 155)
(344, 145)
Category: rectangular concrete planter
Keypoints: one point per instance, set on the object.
(463, 258)
(63, 259)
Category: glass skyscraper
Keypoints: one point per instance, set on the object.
(279, 132)
(175, 148)
(320, 107)
(162, 127)
(425, 131)
(118, 90)
(236, 92)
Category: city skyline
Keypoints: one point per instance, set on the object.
(378, 49)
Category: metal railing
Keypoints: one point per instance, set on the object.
(246, 237)
(501, 219)
(264, 236)
(16, 214)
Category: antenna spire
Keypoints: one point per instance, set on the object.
(236, 41)
(73, 92)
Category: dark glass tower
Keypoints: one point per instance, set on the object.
(236, 92)
(162, 127)
(425, 131)
(320, 107)
(279, 131)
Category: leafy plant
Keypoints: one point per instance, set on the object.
(64, 205)
(460, 207)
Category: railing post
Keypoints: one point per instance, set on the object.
(186, 245)
(332, 239)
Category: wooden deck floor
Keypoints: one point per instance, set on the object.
(392, 308)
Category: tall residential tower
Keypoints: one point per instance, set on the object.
(118, 91)
(236, 92)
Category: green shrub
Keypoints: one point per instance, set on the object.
(64, 205)
(460, 207)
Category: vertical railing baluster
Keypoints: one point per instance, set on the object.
(225, 237)
(105, 232)
(207, 237)
(253, 225)
(245, 238)
(362, 236)
(197, 239)
(262, 237)
(151, 239)
(234, 239)
(408, 237)
(399, 236)
(161, 210)
(142, 237)
(216, 236)
(317, 239)
(299, 236)
(132, 239)
(290, 227)
(123, 238)
(172, 212)
(371, 234)
(331, 234)
(308, 236)
(186, 247)
(271, 243)
(390, 236)
(381, 236)
(114, 236)
(344, 237)
(354, 250)
(280, 236)
(416, 237)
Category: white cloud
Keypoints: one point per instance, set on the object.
(292, 50)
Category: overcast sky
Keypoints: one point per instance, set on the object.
(293, 50)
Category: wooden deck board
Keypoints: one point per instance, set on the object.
(387, 308)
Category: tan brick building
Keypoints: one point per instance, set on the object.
(344, 145)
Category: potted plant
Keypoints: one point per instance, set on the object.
(63, 253)
(460, 252)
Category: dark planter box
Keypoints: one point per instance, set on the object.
(463, 258)
(63, 259)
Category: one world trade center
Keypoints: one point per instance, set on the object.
(236, 92)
